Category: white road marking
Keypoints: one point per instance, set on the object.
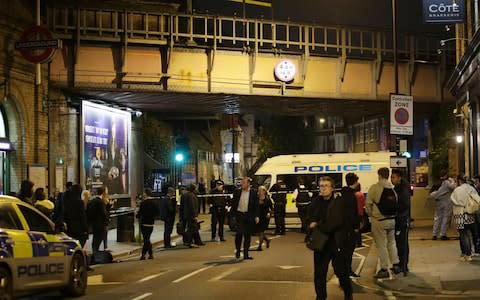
(224, 274)
(362, 262)
(289, 267)
(142, 296)
(227, 256)
(152, 276)
(192, 274)
(98, 280)
(389, 295)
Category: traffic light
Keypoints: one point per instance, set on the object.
(182, 148)
(179, 157)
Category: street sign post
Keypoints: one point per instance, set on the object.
(398, 162)
(401, 114)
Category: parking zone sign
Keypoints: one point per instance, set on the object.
(401, 114)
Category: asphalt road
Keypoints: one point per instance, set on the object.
(284, 271)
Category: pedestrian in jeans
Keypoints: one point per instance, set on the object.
(146, 214)
(464, 222)
(443, 206)
(383, 227)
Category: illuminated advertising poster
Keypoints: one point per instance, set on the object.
(106, 136)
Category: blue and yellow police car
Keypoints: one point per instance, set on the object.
(33, 256)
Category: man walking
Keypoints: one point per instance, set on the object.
(147, 213)
(402, 220)
(353, 219)
(329, 214)
(443, 206)
(245, 208)
(189, 209)
(218, 203)
(381, 206)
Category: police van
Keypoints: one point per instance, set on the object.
(33, 256)
(308, 168)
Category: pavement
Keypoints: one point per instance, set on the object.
(435, 267)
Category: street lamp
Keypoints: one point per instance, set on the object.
(179, 157)
(442, 42)
(459, 139)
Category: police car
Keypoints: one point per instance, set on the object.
(33, 256)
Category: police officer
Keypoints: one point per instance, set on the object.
(302, 197)
(279, 196)
(218, 210)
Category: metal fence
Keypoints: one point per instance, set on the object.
(136, 27)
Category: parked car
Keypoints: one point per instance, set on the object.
(33, 256)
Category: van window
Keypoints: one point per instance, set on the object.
(309, 180)
(265, 180)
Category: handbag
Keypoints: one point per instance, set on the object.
(472, 205)
(316, 240)
(180, 228)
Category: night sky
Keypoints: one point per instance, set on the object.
(359, 13)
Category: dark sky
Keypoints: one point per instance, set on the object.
(360, 13)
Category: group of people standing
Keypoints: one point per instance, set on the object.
(74, 211)
(337, 216)
(451, 199)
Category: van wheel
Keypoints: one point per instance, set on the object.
(77, 283)
(6, 287)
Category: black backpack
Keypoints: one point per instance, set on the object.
(388, 204)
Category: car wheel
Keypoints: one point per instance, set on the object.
(6, 287)
(77, 283)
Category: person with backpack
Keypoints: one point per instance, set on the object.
(464, 221)
(381, 206)
(402, 220)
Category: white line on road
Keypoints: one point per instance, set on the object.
(142, 296)
(389, 295)
(192, 274)
(152, 276)
(224, 274)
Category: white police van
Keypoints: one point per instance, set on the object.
(33, 256)
(310, 167)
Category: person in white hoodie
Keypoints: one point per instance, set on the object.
(463, 220)
(383, 226)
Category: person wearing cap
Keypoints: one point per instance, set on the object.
(279, 196)
(218, 203)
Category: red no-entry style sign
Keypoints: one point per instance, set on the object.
(37, 45)
(401, 114)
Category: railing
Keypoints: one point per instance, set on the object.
(234, 33)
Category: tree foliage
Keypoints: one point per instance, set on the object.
(443, 131)
(157, 139)
(284, 135)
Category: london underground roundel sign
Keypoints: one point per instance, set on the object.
(37, 45)
(285, 71)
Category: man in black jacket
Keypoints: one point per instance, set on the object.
(329, 214)
(353, 219)
(279, 196)
(245, 208)
(147, 213)
(402, 220)
(189, 209)
(97, 218)
(169, 207)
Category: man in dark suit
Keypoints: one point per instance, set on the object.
(245, 208)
